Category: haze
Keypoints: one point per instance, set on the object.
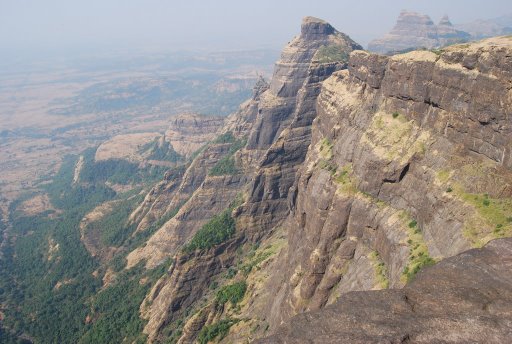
(97, 25)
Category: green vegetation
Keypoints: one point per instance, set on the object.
(395, 138)
(46, 276)
(255, 261)
(490, 218)
(195, 154)
(217, 330)
(381, 272)
(226, 165)
(49, 284)
(140, 237)
(326, 149)
(331, 53)
(493, 213)
(220, 228)
(234, 293)
(418, 251)
(117, 171)
(216, 231)
(162, 151)
(225, 138)
(114, 227)
(116, 308)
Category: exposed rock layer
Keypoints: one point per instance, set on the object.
(405, 151)
(288, 101)
(188, 132)
(367, 175)
(463, 299)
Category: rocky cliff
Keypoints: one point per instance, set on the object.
(413, 30)
(409, 163)
(275, 129)
(354, 196)
(189, 132)
(463, 299)
(357, 173)
(347, 172)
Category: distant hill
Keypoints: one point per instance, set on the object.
(414, 30)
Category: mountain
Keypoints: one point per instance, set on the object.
(488, 28)
(354, 196)
(413, 30)
(358, 176)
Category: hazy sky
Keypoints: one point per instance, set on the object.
(213, 24)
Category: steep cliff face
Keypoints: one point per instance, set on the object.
(409, 163)
(340, 175)
(189, 132)
(308, 60)
(276, 122)
(463, 299)
(413, 30)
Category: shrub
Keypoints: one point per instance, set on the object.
(233, 292)
(225, 166)
(395, 114)
(449, 189)
(231, 273)
(332, 53)
(225, 138)
(421, 262)
(413, 224)
(219, 329)
(220, 228)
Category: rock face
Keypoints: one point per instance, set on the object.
(189, 132)
(401, 172)
(358, 172)
(414, 30)
(276, 122)
(277, 105)
(463, 299)
(308, 60)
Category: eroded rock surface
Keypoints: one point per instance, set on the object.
(463, 299)
(403, 169)
(357, 173)
(189, 132)
(277, 119)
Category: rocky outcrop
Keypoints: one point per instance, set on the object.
(277, 105)
(463, 299)
(277, 121)
(409, 156)
(198, 197)
(308, 60)
(353, 179)
(189, 132)
(413, 30)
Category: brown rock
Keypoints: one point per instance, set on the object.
(463, 299)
